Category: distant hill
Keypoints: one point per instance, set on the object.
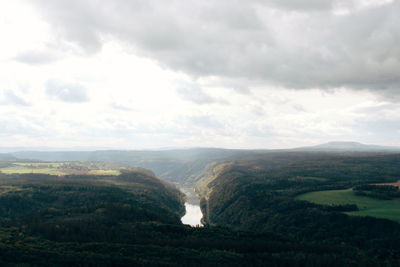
(6, 157)
(178, 165)
(349, 147)
(186, 166)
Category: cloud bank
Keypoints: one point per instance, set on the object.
(66, 92)
(293, 44)
(239, 74)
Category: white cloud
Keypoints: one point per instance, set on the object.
(194, 93)
(10, 98)
(36, 57)
(67, 92)
(142, 74)
(248, 40)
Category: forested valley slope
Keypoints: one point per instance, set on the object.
(251, 202)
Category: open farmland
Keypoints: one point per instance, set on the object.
(61, 168)
(27, 169)
(387, 209)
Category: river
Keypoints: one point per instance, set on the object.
(193, 212)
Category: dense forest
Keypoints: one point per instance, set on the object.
(251, 213)
(131, 219)
(259, 194)
(378, 191)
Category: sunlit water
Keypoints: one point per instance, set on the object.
(193, 212)
(193, 215)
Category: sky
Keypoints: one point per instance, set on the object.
(145, 74)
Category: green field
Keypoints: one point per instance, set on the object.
(61, 168)
(25, 169)
(388, 209)
(104, 172)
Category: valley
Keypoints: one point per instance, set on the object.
(231, 207)
(193, 213)
(200, 133)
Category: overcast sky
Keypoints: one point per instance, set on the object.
(136, 74)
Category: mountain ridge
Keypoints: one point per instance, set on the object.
(347, 146)
(332, 145)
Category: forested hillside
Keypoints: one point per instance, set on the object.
(250, 205)
(132, 220)
(259, 194)
(186, 166)
(181, 166)
(84, 207)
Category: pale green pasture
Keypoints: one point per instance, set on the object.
(388, 209)
(22, 170)
(104, 172)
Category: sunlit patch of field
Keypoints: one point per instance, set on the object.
(23, 170)
(104, 172)
(60, 168)
(388, 209)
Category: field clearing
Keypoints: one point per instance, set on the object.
(104, 172)
(23, 170)
(60, 168)
(388, 209)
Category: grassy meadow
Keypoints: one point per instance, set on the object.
(388, 209)
(27, 169)
(60, 168)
